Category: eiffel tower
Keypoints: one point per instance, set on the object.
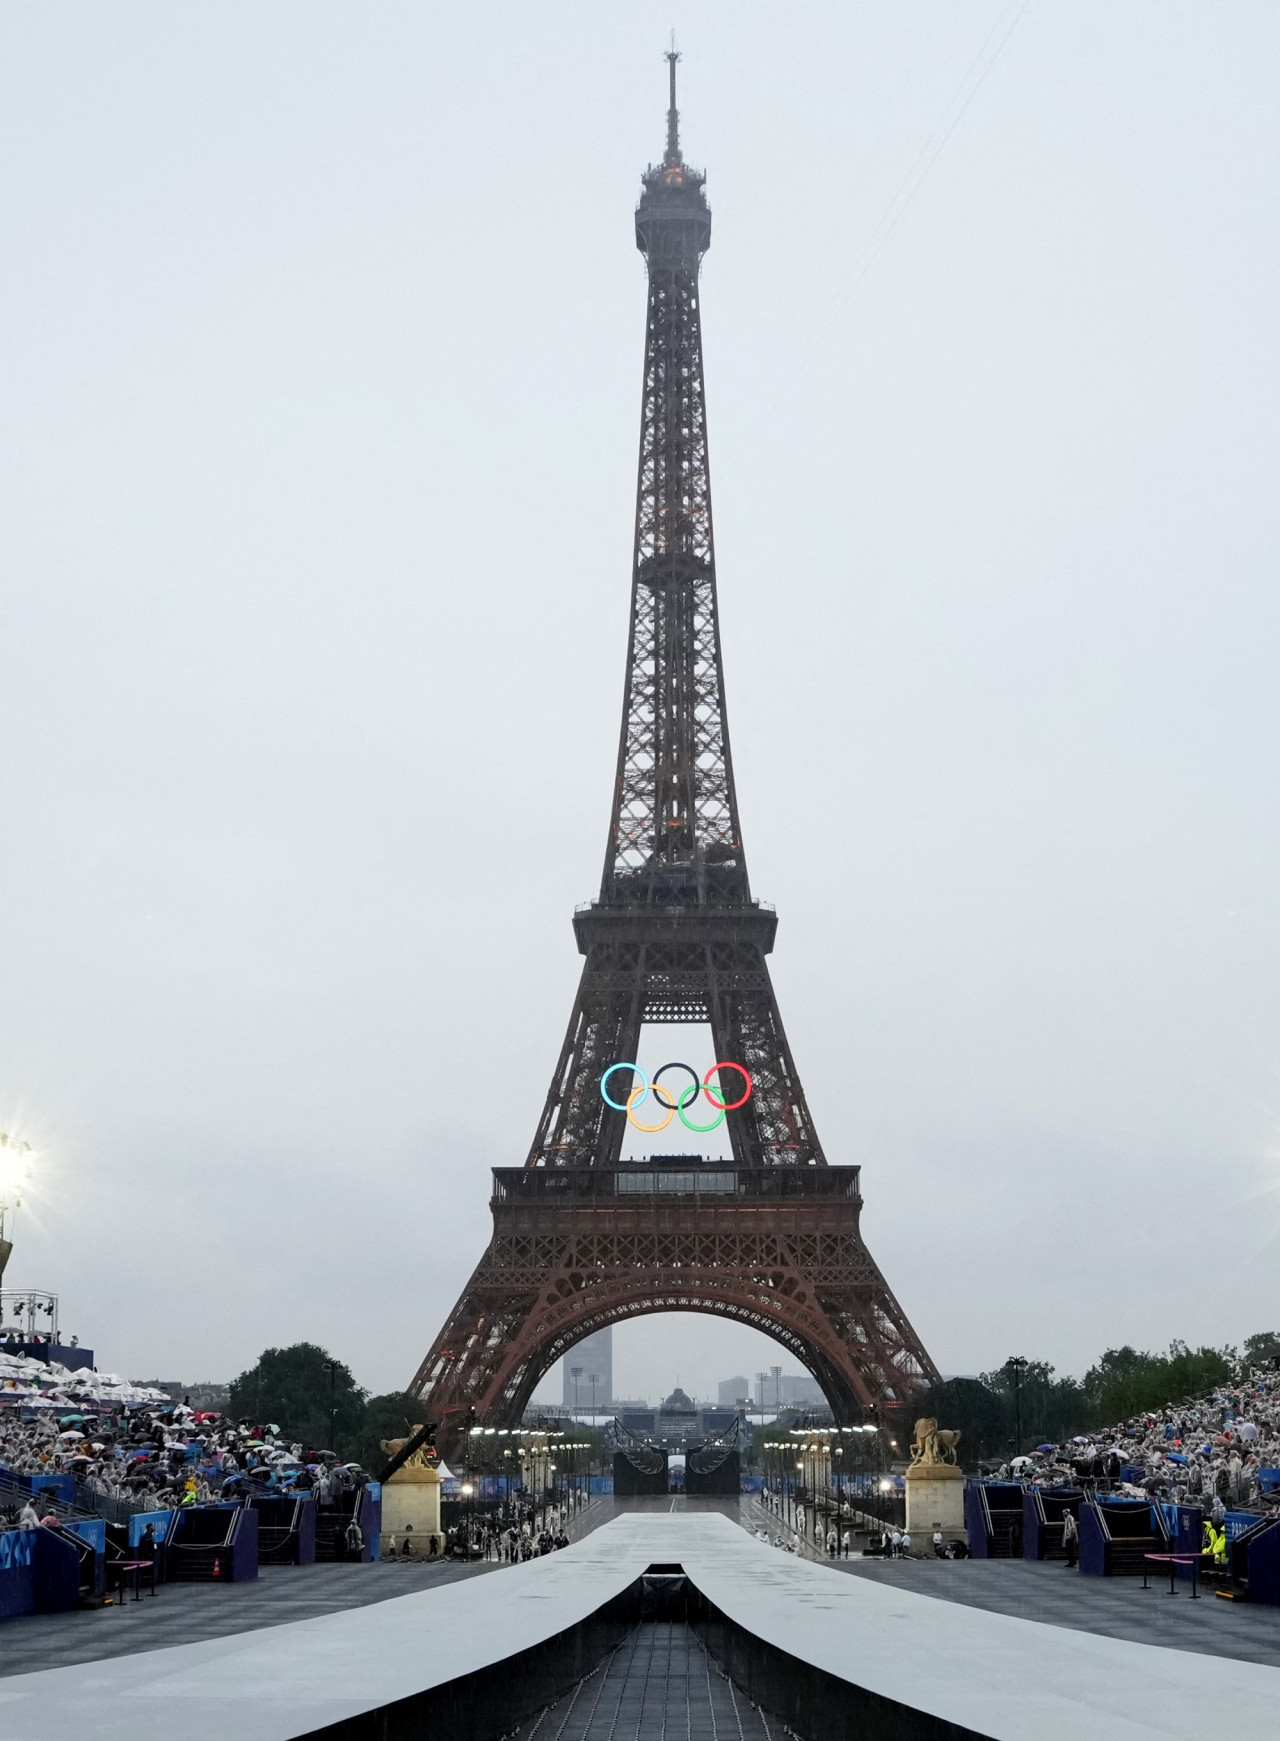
(581, 1238)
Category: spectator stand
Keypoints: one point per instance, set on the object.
(1117, 1534)
(286, 1528)
(59, 1488)
(213, 1541)
(993, 1518)
(1043, 1509)
(161, 1526)
(47, 1493)
(1253, 1562)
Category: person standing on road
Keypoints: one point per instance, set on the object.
(1070, 1538)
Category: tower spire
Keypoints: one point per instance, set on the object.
(673, 114)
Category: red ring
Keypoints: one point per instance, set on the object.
(727, 1105)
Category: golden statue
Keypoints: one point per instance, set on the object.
(931, 1446)
(418, 1460)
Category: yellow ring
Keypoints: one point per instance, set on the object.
(648, 1129)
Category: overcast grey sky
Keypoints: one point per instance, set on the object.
(321, 359)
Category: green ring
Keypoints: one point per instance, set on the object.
(702, 1129)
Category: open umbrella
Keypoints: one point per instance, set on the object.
(1046, 1447)
(1175, 1457)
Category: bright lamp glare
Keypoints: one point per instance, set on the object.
(15, 1165)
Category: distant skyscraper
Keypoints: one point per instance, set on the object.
(588, 1372)
(734, 1390)
(769, 1388)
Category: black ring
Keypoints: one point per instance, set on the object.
(674, 1106)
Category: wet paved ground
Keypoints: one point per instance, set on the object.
(185, 1613)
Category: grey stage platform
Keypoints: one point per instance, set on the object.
(983, 1673)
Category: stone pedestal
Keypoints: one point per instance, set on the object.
(411, 1511)
(935, 1501)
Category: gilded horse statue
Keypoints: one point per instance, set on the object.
(932, 1446)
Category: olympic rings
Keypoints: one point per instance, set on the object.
(604, 1091)
(728, 1105)
(712, 1092)
(640, 1091)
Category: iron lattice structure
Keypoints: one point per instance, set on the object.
(676, 937)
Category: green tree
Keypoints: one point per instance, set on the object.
(1038, 1407)
(1125, 1382)
(392, 1416)
(978, 1411)
(1263, 1347)
(306, 1392)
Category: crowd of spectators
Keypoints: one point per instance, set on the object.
(1220, 1452)
(518, 1528)
(24, 1379)
(157, 1458)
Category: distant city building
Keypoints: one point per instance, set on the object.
(800, 1388)
(588, 1373)
(210, 1397)
(734, 1391)
(777, 1389)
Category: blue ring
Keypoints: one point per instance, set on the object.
(623, 1106)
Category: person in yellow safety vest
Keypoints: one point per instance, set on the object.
(1215, 1544)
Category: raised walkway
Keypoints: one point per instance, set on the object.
(913, 1664)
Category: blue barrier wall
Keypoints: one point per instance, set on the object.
(244, 1546)
(17, 1572)
(161, 1522)
(61, 1487)
(1185, 1524)
(1264, 1566)
(57, 1569)
(370, 1520)
(90, 1529)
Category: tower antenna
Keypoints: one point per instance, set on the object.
(671, 56)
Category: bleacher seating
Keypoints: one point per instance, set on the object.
(213, 1541)
(362, 1503)
(1043, 1509)
(286, 1528)
(1117, 1534)
(993, 1518)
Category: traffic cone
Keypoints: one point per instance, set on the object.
(217, 1567)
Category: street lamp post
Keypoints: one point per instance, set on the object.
(1017, 1366)
(331, 1367)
